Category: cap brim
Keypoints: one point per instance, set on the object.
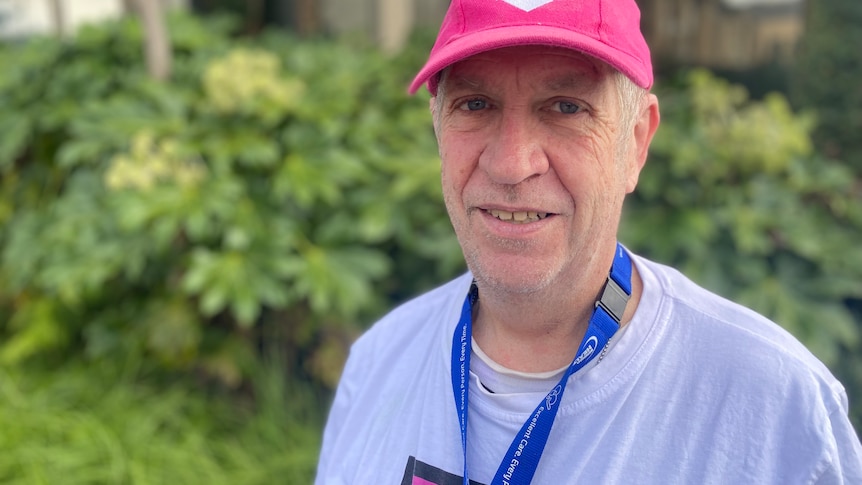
(478, 42)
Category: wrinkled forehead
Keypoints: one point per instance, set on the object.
(554, 67)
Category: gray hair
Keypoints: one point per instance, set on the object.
(631, 99)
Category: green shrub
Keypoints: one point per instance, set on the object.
(825, 77)
(734, 195)
(91, 424)
(264, 193)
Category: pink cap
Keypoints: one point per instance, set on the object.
(608, 30)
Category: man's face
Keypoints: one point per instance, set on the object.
(534, 164)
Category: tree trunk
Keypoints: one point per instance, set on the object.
(58, 17)
(307, 17)
(128, 7)
(157, 45)
(254, 16)
(394, 23)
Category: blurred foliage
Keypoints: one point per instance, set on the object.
(272, 190)
(826, 80)
(735, 196)
(95, 424)
(827, 74)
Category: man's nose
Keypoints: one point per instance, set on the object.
(515, 152)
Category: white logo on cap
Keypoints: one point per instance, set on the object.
(527, 5)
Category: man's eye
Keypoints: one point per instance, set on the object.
(567, 107)
(474, 105)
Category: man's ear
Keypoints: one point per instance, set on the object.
(644, 129)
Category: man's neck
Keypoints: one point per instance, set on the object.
(539, 333)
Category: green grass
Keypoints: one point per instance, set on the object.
(84, 425)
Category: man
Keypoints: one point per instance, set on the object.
(561, 358)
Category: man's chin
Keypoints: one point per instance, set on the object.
(504, 279)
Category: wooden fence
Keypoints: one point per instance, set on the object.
(714, 33)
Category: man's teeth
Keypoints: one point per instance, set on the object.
(519, 217)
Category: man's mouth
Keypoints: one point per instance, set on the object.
(519, 217)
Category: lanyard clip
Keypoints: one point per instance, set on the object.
(614, 300)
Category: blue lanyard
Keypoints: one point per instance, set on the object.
(522, 459)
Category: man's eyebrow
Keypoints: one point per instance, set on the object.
(568, 82)
(461, 82)
(587, 80)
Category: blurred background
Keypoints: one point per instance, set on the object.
(204, 202)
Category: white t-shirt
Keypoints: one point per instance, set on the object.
(697, 390)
